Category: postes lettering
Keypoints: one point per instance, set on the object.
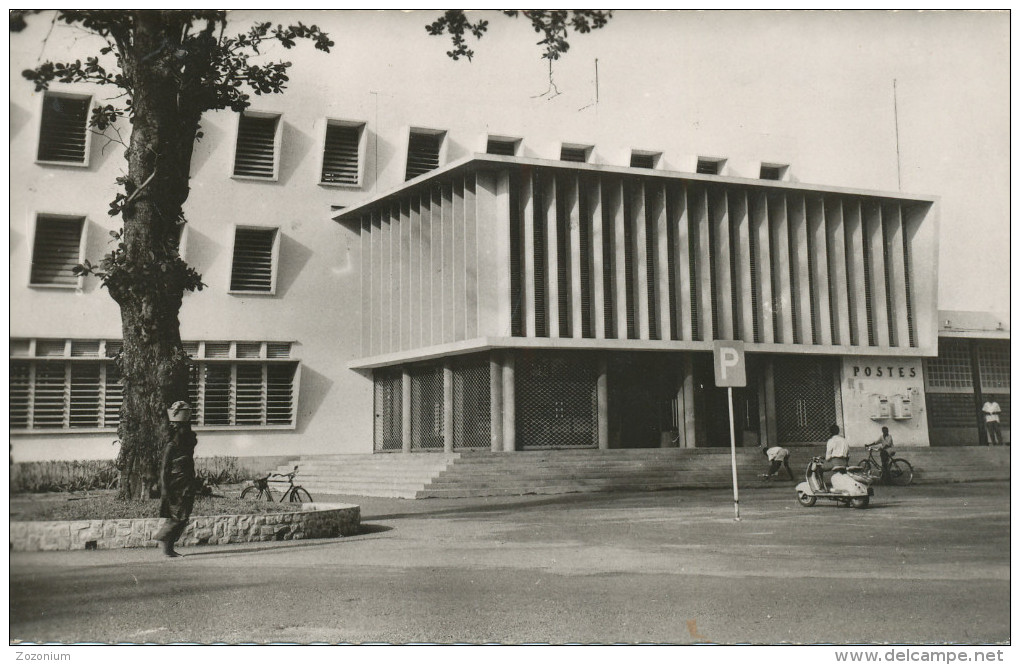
(886, 371)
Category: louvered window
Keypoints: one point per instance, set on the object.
(254, 261)
(244, 394)
(575, 153)
(710, 165)
(256, 150)
(423, 149)
(63, 134)
(76, 387)
(644, 160)
(772, 171)
(56, 251)
(497, 146)
(341, 163)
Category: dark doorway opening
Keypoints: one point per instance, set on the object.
(711, 406)
(642, 390)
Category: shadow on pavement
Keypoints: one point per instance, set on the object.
(502, 504)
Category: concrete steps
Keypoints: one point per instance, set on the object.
(388, 475)
(483, 473)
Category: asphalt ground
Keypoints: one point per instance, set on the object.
(923, 565)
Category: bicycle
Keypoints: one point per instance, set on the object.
(900, 470)
(259, 490)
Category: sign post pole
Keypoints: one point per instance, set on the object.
(733, 460)
(730, 373)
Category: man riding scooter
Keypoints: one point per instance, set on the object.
(837, 453)
(845, 487)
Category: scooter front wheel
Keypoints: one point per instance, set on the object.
(861, 501)
(805, 499)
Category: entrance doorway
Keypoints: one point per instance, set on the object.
(711, 404)
(642, 389)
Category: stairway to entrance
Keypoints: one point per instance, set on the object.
(473, 474)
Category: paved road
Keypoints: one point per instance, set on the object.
(923, 564)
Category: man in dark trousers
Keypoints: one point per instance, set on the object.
(177, 478)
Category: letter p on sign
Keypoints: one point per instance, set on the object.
(728, 359)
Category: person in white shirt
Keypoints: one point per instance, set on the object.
(883, 443)
(991, 409)
(778, 457)
(837, 452)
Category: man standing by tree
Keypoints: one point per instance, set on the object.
(177, 478)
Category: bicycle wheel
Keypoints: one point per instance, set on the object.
(255, 494)
(900, 472)
(870, 469)
(300, 495)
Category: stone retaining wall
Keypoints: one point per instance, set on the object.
(320, 520)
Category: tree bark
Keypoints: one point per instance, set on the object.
(154, 367)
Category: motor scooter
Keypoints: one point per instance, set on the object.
(848, 486)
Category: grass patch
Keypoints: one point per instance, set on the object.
(105, 506)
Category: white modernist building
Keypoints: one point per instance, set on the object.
(414, 254)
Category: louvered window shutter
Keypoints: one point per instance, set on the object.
(85, 394)
(340, 156)
(501, 147)
(570, 154)
(422, 154)
(20, 396)
(56, 251)
(218, 396)
(253, 260)
(255, 155)
(250, 402)
(642, 160)
(63, 135)
(280, 393)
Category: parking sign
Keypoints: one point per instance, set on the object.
(728, 358)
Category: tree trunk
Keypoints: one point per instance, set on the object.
(149, 284)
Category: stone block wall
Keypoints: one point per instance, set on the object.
(314, 521)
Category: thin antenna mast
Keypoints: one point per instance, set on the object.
(896, 121)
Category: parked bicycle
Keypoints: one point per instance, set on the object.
(900, 470)
(260, 489)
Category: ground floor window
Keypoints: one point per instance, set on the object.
(557, 401)
(807, 403)
(75, 385)
(469, 392)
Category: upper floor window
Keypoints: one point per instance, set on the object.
(57, 249)
(63, 130)
(772, 171)
(571, 152)
(710, 165)
(253, 269)
(341, 154)
(424, 148)
(501, 145)
(644, 159)
(256, 154)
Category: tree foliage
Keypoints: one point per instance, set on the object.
(553, 24)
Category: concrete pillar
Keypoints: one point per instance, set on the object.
(509, 404)
(405, 411)
(689, 434)
(495, 402)
(448, 408)
(602, 400)
(771, 430)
